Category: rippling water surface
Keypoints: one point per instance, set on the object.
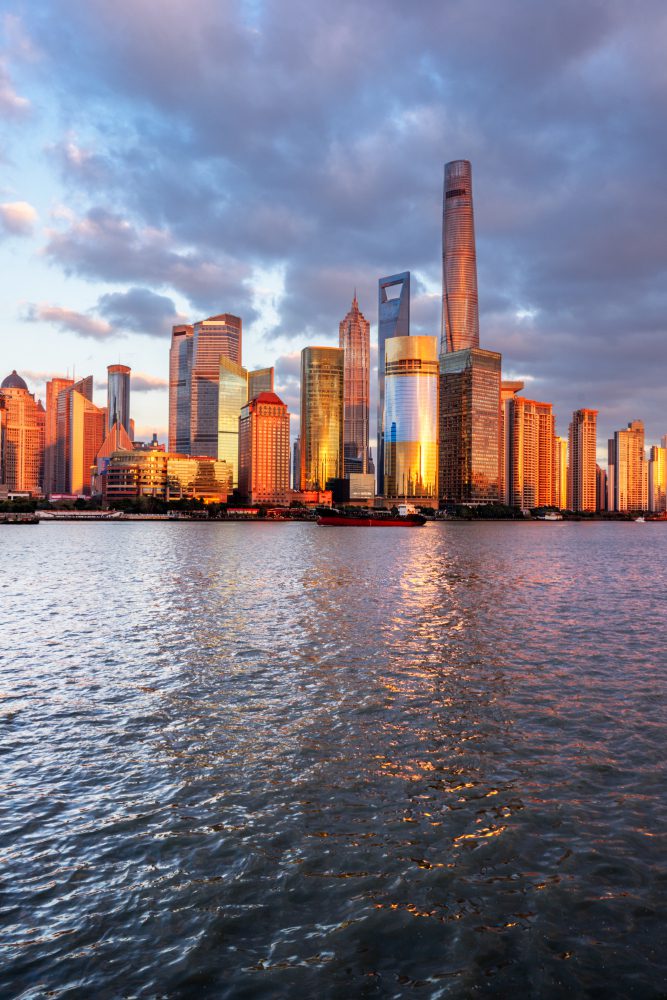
(278, 760)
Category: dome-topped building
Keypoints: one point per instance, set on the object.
(13, 381)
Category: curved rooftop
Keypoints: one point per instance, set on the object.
(13, 381)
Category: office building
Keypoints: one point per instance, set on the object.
(53, 388)
(582, 440)
(84, 387)
(460, 314)
(296, 464)
(118, 397)
(260, 380)
(393, 321)
(213, 339)
(469, 459)
(264, 450)
(87, 424)
(180, 370)
(322, 416)
(560, 473)
(657, 479)
(628, 478)
(354, 338)
(130, 475)
(232, 396)
(23, 421)
(411, 418)
(529, 453)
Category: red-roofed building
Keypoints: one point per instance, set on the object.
(264, 450)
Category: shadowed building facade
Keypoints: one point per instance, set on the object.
(213, 339)
(118, 397)
(460, 311)
(411, 418)
(354, 335)
(581, 478)
(264, 450)
(393, 321)
(180, 370)
(469, 459)
(260, 380)
(322, 416)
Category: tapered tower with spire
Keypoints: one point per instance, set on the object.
(354, 339)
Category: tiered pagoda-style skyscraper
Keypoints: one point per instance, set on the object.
(355, 340)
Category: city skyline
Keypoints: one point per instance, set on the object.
(116, 228)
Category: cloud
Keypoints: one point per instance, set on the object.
(18, 218)
(12, 105)
(140, 310)
(69, 321)
(142, 382)
(104, 245)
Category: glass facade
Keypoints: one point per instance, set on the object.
(355, 339)
(411, 417)
(393, 321)
(470, 426)
(118, 397)
(460, 311)
(180, 370)
(260, 380)
(232, 397)
(213, 339)
(322, 416)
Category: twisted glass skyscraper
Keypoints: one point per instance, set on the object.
(460, 313)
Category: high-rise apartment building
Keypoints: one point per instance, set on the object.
(322, 416)
(180, 370)
(469, 460)
(393, 321)
(657, 478)
(581, 484)
(529, 453)
(507, 391)
(23, 436)
(232, 396)
(53, 388)
(560, 473)
(264, 450)
(354, 335)
(601, 487)
(118, 397)
(460, 312)
(260, 380)
(411, 418)
(628, 477)
(214, 338)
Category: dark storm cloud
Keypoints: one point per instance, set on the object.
(312, 137)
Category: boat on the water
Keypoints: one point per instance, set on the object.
(407, 517)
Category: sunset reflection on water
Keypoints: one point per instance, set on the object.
(343, 762)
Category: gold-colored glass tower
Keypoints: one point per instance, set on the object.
(322, 416)
(411, 418)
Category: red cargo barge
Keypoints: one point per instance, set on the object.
(407, 517)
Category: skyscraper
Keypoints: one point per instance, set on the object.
(460, 314)
(264, 451)
(355, 339)
(53, 388)
(296, 464)
(87, 424)
(180, 370)
(23, 436)
(628, 479)
(393, 321)
(411, 418)
(469, 460)
(529, 450)
(260, 380)
(507, 391)
(657, 479)
(84, 387)
(322, 416)
(214, 338)
(560, 473)
(232, 396)
(581, 484)
(118, 397)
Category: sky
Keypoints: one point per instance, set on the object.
(166, 160)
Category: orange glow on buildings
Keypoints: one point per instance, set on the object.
(581, 482)
(264, 450)
(22, 436)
